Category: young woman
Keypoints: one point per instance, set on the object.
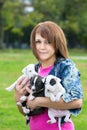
(49, 46)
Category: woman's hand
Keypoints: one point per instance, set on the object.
(37, 102)
(20, 88)
(32, 104)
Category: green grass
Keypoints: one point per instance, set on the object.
(11, 64)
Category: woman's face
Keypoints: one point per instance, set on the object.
(45, 50)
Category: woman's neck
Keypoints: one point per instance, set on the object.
(47, 63)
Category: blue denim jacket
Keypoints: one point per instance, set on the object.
(66, 70)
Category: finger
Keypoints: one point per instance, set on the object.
(24, 92)
(27, 85)
(25, 82)
(28, 89)
(20, 79)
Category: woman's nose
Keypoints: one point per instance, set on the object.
(42, 45)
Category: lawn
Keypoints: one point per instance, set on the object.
(11, 64)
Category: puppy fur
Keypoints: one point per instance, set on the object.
(38, 88)
(54, 90)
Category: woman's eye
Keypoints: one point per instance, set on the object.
(46, 42)
(38, 41)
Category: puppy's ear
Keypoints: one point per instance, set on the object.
(30, 67)
(43, 79)
(58, 79)
(24, 70)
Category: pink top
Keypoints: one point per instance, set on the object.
(44, 71)
(39, 122)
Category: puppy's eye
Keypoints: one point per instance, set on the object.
(52, 82)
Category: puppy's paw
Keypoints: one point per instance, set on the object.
(31, 97)
(23, 98)
(67, 120)
(53, 99)
(26, 111)
(51, 121)
(19, 104)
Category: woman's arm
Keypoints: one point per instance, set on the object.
(20, 90)
(61, 104)
(20, 110)
(46, 102)
(19, 107)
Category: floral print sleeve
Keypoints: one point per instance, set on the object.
(70, 77)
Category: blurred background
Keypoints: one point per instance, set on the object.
(18, 17)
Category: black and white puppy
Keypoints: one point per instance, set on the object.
(36, 86)
(28, 71)
(49, 86)
(38, 90)
(54, 90)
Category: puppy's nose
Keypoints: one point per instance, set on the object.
(33, 89)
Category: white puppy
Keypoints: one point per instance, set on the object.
(54, 90)
(28, 71)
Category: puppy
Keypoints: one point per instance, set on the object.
(28, 71)
(54, 90)
(36, 86)
(38, 90)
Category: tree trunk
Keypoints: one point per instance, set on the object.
(1, 25)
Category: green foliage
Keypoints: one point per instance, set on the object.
(32, 19)
(11, 64)
(70, 15)
(12, 14)
(15, 17)
(50, 9)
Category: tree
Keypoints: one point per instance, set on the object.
(70, 15)
(6, 17)
(1, 23)
(15, 19)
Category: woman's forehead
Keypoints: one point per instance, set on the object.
(38, 36)
(44, 32)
